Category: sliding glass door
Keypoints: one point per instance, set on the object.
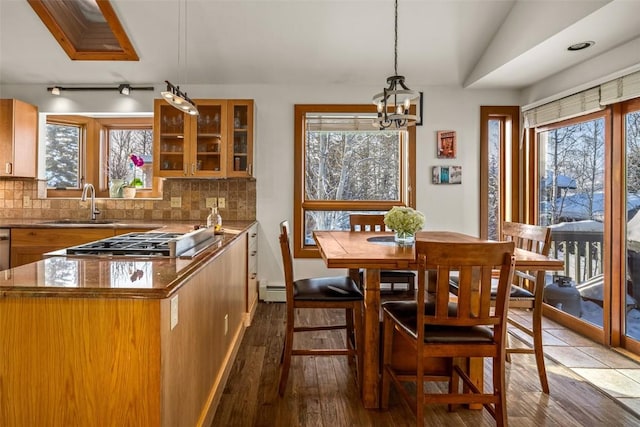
(572, 199)
(630, 303)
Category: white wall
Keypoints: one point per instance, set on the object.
(446, 207)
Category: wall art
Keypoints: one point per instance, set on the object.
(446, 175)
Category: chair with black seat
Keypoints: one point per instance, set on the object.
(319, 293)
(375, 222)
(433, 339)
(527, 290)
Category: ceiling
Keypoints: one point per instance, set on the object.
(469, 43)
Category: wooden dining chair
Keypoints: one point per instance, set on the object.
(432, 340)
(375, 222)
(319, 293)
(527, 290)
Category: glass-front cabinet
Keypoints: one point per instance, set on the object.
(240, 160)
(217, 143)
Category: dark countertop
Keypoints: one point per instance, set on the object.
(110, 277)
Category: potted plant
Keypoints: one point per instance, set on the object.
(129, 191)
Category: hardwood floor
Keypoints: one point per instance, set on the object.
(322, 390)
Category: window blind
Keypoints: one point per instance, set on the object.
(582, 103)
(620, 89)
(339, 122)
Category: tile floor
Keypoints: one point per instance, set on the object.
(613, 373)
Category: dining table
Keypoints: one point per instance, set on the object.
(376, 251)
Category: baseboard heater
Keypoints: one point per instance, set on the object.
(271, 292)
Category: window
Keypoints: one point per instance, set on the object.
(80, 149)
(123, 143)
(345, 165)
(499, 164)
(62, 147)
(86, 30)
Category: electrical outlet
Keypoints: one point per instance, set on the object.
(226, 324)
(176, 202)
(222, 202)
(211, 202)
(26, 202)
(174, 312)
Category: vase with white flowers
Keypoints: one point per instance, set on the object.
(405, 222)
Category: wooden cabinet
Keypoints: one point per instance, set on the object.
(18, 138)
(119, 360)
(251, 297)
(240, 158)
(218, 143)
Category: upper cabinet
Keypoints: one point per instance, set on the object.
(18, 138)
(240, 158)
(188, 146)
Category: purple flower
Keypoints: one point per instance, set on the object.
(137, 160)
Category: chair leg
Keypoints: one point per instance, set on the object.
(387, 347)
(500, 391)
(286, 358)
(350, 343)
(537, 347)
(359, 342)
(454, 383)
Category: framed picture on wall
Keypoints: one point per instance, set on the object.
(446, 175)
(447, 144)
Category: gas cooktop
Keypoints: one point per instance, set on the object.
(149, 244)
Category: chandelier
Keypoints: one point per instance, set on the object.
(179, 99)
(173, 95)
(394, 102)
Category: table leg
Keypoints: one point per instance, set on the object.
(371, 368)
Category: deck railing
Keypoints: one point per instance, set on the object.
(581, 252)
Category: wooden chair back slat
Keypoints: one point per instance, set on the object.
(534, 238)
(474, 263)
(367, 222)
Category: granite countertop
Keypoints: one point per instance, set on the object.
(111, 277)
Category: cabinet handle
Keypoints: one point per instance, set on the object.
(254, 234)
(253, 276)
(193, 168)
(249, 169)
(8, 168)
(253, 253)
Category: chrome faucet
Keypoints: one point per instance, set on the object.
(94, 211)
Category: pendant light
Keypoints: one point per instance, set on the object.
(173, 95)
(394, 102)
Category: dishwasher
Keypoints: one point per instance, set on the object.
(5, 248)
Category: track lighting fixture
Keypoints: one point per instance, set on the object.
(124, 89)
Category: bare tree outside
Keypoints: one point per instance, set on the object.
(349, 166)
(122, 144)
(494, 179)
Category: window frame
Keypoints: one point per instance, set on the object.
(511, 172)
(407, 173)
(94, 153)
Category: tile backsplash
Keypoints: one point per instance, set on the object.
(27, 199)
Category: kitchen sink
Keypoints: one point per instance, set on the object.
(81, 221)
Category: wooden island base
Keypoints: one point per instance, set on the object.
(95, 361)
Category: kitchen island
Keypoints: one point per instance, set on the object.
(121, 340)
